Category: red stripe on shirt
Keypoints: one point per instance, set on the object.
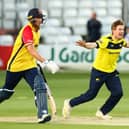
(27, 35)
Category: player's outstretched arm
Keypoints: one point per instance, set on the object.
(88, 45)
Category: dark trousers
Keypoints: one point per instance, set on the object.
(35, 81)
(13, 78)
(97, 79)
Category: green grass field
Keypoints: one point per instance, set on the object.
(63, 85)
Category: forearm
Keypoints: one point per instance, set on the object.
(37, 56)
(88, 45)
(35, 53)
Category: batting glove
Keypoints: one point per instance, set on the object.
(51, 66)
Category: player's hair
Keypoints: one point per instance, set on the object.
(116, 23)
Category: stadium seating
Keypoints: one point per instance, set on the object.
(75, 13)
(66, 18)
(53, 22)
(55, 8)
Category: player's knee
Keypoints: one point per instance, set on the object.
(89, 95)
(118, 94)
(5, 94)
(92, 94)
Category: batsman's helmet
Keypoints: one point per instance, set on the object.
(36, 13)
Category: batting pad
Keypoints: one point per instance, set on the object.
(41, 95)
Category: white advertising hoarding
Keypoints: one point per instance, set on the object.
(78, 58)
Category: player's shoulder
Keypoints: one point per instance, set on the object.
(108, 36)
(27, 28)
(105, 38)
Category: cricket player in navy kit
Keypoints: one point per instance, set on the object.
(103, 71)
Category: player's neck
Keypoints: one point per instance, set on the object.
(36, 28)
(115, 38)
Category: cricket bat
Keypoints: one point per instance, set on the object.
(51, 99)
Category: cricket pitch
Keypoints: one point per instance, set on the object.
(72, 120)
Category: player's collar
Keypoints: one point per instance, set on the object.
(33, 28)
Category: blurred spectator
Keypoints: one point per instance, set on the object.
(127, 33)
(93, 28)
